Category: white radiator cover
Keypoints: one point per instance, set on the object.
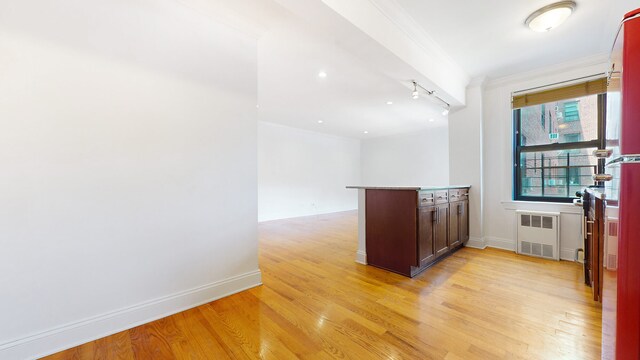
(538, 234)
(611, 244)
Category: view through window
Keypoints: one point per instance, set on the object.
(554, 142)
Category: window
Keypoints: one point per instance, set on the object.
(571, 111)
(554, 143)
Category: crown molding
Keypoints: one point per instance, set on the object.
(589, 61)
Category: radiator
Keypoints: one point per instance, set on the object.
(538, 234)
(611, 244)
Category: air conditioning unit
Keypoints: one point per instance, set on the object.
(611, 244)
(538, 234)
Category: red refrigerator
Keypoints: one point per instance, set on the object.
(623, 138)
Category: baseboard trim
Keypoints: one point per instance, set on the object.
(73, 334)
(476, 243)
(361, 257)
(500, 243)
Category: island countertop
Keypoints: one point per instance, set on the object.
(416, 188)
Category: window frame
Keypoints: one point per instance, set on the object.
(598, 143)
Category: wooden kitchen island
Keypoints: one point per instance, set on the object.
(408, 229)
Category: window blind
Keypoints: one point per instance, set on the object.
(593, 87)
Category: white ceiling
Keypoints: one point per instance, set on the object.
(489, 38)
(352, 98)
(299, 38)
(484, 38)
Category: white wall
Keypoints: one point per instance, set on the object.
(304, 173)
(415, 159)
(465, 156)
(498, 207)
(128, 160)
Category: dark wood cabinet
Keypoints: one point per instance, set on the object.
(454, 224)
(458, 223)
(441, 238)
(407, 230)
(427, 219)
(594, 242)
(464, 221)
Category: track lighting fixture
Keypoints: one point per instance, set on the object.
(416, 94)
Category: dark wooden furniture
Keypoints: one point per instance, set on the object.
(408, 230)
(594, 240)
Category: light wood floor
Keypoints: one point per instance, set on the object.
(317, 303)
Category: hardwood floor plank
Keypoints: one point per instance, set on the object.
(317, 303)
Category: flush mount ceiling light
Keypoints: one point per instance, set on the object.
(322, 74)
(432, 93)
(550, 16)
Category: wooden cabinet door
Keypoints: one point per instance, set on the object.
(426, 218)
(454, 224)
(464, 221)
(441, 225)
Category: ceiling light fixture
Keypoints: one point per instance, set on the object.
(389, 102)
(445, 112)
(431, 93)
(431, 120)
(320, 121)
(366, 132)
(550, 16)
(322, 74)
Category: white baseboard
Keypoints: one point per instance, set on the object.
(73, 334)
(476, 243)
(500, 243)
(361, 257)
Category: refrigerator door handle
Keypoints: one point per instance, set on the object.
(625, 159)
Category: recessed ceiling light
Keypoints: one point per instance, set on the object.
(431, 120)
(445, 112)
(366, 132)
(389, 102)
(550, 16)
(322, 74)
(320, 121)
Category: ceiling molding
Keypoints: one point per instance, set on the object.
(392, 27)
(400, 18)
(598, 60)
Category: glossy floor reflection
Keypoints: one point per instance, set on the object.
(317, 303)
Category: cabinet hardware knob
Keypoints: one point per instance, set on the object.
(602, 177)
(602, 153)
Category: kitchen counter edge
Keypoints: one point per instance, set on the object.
(416, 188)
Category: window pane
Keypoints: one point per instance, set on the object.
(557, 173)
(559, 122)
